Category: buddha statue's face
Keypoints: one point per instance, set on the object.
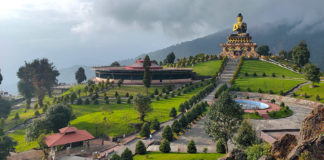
(239, 19)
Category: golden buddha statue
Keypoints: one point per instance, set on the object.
(240, 26)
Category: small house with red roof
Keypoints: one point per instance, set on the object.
(68, 137)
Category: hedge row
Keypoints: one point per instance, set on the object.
(222, 88)
(237, 71)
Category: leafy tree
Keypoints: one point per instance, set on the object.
(176, 126)
(42, 145)
(254, 152)
(140, 148)
(115, 64)
(220, 147)
(167, 133)
(115, 157)
(165, 146)
(223, 118)
(80, 75)
(145, 131)
(147, 76)
(59, 116)
(26, 89)
(263, 50)
(42, 75)
(36, 128)
(5, 107)
(142, 105)
(312, 73)
(7, 145)
(246, 135)
(191, 147)
(155, 124)
(127, 155)
(170, 58)
(300, 54)
(173, 112)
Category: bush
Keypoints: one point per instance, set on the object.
(115, 157)
(96, 101)
(318, 98)
(140, 148)
(156, 91)
(270, 91)
(116, 94)
(205, 150)
(281, 93)
(246, 135)
(176, 127)
(155, 124)
(246, 74)
(183, 121)
(79, 101)
(118, 101)
(129, 101)
(145, 131)
(220, 90)
(191, 147)
(264, 74)
(16, 116)
(37, 114)
(282, 104)
(166, 97)
(181, 108)
(254, 74)
(259, 90)
(127, 155)
(220, 147)
(173, 112)
(273, 101)
(248, 89)
(167, 133)
(127, 94)
(273, 75)
(87, 101)
(256, 151)
(165, 146)
(157, 98)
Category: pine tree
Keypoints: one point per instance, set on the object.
(140, 148)
(147, 77)
(145, 131)
(127, 155)
(115, 157)
(167, 133)
(246, 135)
(191, 147)
(155, 124)
(173, 113)
(176, 127)
(181, 107)
(165, 146)
(183, 121)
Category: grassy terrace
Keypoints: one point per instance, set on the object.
(115, 119)
(311, 92)
(19, 136)
(131, 90)
(284, 79)
(178, 156)
(207, 68)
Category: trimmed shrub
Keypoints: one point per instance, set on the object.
(220, 147)
(118, 100)
(157, 98)
(36, 114)
(255, 74)
(167, 133)
(181, 108)
(140, 148)
(173, 112)
(87, 101)
(264, 74)
(318, 98)
(16, 116)
(129, 101)
(183, 121)
(155, 124)
(127, 94)
(281, 93)
(270, 91)
(115, 157)
(273, 101)
(259, 90)
(166, 97)
(127, 155)
(191, 147)
(96, 101)
(156, 91)
(273, 75)
(165, 146)
(145, 131)
(248, 89)
(176, 127)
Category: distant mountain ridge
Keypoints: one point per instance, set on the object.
(278, 37)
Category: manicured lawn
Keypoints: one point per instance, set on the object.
(207, 68)
(267, 84)
(312, 92)
(252, 116)
(22, 146)
(251, 66)
(116, 119)
(179, 156)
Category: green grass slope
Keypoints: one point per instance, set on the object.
(311, 92)
(207, 68)
(284, 79)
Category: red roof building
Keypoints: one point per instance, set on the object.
(67, 135)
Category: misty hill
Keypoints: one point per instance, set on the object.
(277, 37)
(67, 75)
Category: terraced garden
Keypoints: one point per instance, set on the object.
(256, 76)
(207, 68)
(310, 93)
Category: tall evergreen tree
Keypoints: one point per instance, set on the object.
(26, 89)
(142, 105)
(80, 75)
(127, 155)
(300, 54)
(170, 58)
(147, 76)
(246, 135)
(223, 118)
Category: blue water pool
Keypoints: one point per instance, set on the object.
(247, 104)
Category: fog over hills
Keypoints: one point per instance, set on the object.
(278, 37)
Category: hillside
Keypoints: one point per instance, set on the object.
(277, 37)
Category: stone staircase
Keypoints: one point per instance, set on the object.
(228, 71)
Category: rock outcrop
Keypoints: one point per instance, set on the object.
(311, 142)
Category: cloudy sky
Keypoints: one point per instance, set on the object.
(97, 32)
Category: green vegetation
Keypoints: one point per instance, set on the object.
(252, 116)
(19, 136)
(283, 112)
(23, 116)
(178, 156)
(310, 93)
(207, 68)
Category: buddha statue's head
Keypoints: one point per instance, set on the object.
(239, 17)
